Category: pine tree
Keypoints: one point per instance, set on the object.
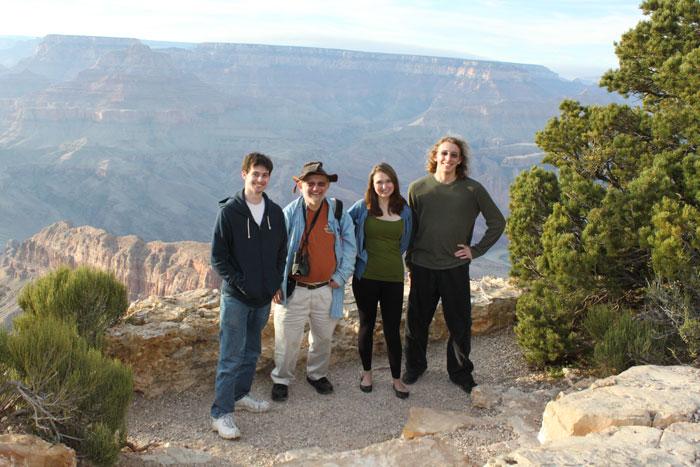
(622, 227)
(92, 299)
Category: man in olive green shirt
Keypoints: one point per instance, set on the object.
(445, 206)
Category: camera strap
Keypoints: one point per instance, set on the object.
(305, 238)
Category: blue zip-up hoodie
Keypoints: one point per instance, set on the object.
(249, 258)
(344, 248)
(359, 212)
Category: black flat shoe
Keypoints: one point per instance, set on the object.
(364, 388)
(400, 394)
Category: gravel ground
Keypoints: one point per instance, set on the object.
(346, 419)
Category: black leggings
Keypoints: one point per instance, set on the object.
(389, 295)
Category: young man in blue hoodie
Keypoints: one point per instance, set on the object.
(249, 251)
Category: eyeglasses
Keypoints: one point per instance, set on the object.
(316, 184)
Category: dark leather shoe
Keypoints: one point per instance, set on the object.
(322, 385)
(410, 377)
(279, 392)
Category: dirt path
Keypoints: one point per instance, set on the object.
(347, 419)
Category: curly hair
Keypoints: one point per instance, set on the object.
(396, 201)
(462, 169)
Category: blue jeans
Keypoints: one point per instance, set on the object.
(240, 328)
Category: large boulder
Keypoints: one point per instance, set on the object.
(647, 415)
(648, 395)
(678, 444)
(172, 342)
(493, 304)
(29, 450)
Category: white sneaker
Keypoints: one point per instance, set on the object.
(226, 426)
(252, 405)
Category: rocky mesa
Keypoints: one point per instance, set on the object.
(147, 268)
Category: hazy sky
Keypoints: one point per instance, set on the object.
(573, 38)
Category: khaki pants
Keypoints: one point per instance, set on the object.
(314, 307)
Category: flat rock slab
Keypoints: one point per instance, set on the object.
(172, 456)
(485, 397)
(649, 395)
(392, 453)
(423, 421)
(679, 444)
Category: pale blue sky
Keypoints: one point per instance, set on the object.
(573, 38)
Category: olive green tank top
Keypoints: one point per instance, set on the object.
(382, 242)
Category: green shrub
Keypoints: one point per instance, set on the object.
(94, 300)
(55, 385)
(621, 341)
(544, 329)
(690, 333)
(675, 307)
(599, 319)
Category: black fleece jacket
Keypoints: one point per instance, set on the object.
(249, 258)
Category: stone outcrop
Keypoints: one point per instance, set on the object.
(172, 342)
(153, 268)
(654, 396)
(392, 453)
(171, 456)
(678, 444)
(647, 415)
(493, 304)
(29, 450)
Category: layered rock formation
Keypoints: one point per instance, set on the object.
(161, 269)
(144, 140)
(61, 58)
(172, 342)
(645, 415)
(653, 396)
(153, 268)
(629, 445)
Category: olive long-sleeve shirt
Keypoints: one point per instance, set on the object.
(444, 216)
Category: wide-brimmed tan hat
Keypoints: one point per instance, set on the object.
(315, 168)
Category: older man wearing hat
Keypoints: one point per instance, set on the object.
(320, 259)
